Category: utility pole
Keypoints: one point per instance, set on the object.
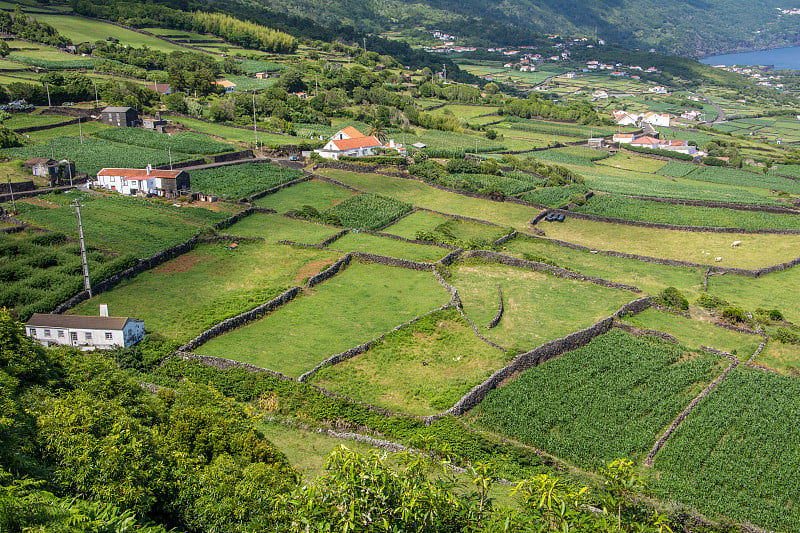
(169, 151)
(47, 88)
(80, 130)
(11, 190)
(255, 130)
(316, 85)
(69, 169)
(87, 285)
(96, 99)
(444, 68)
(52, 150)
(365, 45)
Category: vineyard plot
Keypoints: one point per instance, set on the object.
(237, 181)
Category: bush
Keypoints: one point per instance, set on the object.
(709, 301)
(578, 199)
(734, 315)
(672, 298)
(786, 336)
(770, 314)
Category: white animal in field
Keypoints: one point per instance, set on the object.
(736, 243)
(718, 259)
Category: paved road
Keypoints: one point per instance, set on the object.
(721, 116)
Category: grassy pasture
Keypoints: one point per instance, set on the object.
(538, 307)
(554, 196)
(222, 283)
(318, 194)
(186, 142)
(421, 195)
(415, 222)
(364, 242)
(652, 279)
(232, 134)
(73, 130)
(730, 176)
(275, 227)
(628, 161)
(735, 455)
(696, 333)
(608, 399)
(351, 308)
(756, 251)
(23, 120)
(118, 223)
(677, 169)
(421, 369)
(773, 291)
(632, 209)
(464, 111)
(784, 358)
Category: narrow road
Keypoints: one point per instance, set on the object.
(721, 116)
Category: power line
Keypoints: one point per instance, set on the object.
(87, 284)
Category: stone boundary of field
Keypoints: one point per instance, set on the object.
(661, 225)
(150, 262)
(505, 238)
(759, 208)
(81, 178)
(499, 315)
(361, 348)
(636, 330)
(222, 364)
(756, 273)
(363, 168)
(413, 210)
(29, 129)
(541, 354)
(17, 187)
(543, 267)
(277, 188)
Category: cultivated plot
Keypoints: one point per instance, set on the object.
(318, 194)
(276, 227)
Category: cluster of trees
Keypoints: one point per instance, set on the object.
(556, 175)
(537, 107)
(29, 28)
(84, 447)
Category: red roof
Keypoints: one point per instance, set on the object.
(646, 140)
(351, 132)
(358, 142)
(159, 87)
(138, 173)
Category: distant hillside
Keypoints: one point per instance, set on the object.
(683, 27)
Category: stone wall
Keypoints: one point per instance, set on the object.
(451, 258)
(393, 261)
(499, 314)
(277, 188)
(364, 169)
(330, 271)
(634, 330)
(182, 164)
(222, 364)
(412, 241)
(505, 238)
(240, 320)
(542, 354)
(556, 271)
(38, 192)
(775, 209)
(333, 238)
(460, 217)
(334, 182)
(233, 156)
(398, 219)
(17, 187)
(230, 221)
(29, 129)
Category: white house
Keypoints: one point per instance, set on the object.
(656, 119)
(623, 118)
(142, 181)
(85, 332)
(352, 143)
(676, 145)
(646, 142)
(658, 89)
(624, 138)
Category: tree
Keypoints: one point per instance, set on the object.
(291, 80)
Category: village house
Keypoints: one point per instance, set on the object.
(85, 332)
(646, 142)
(352, 143)
(48, 168)
(624, 138)
(623, 118)
(658, 89)
(143, 181)
(160, 88)
(119, 116)
(656, 119)
(229, 86)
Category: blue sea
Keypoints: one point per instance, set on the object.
(779, 57)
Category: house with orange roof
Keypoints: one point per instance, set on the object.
(229, 86)
(350, 142)
(646, 142)
(143, 181)
(656, 119)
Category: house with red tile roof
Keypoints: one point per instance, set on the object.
(143, 181)
(350, 142)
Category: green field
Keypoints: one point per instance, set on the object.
(351, 308)
(554, 196)
(637, 163)
(222, 284)
(421, 369)
(730, 176)
(276, 228)
(609, 399)
(421, 195)
(756, 251)
(697, 333)
(239, 181)
(73, 130)
(777, 290)
(24, 120)
(409, 226)
(186, 142)
(118, 223)
(614, 206)
(364, 242)
(232, 134)
(736, 454)
(539, 307)
(368, 211)
(318, 194)
(784, 358)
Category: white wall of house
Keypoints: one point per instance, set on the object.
(127, 186)
(88, 339)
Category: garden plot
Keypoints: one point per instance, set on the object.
(422, 195)
(649, 277)
(409, 226)
(756, 251)
(275, 227)
(186, 142)
(118, 223)
(368, 211)
(318, 194)
(421, 369)
(230, 133)
(608, 399)
(73, 130)
(773, 291)
(239, 181)
(637, 163)
(24, 120)
(355, 306)
(222, 283)
(372, 244)
(539, 307)
(730, 176)
(737, 453)
(697, 333)
(555, 196)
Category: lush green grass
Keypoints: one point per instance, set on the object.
(573, 155)
(464, 111)
(364, 242)
(730, 176)
(233, 134)
(608, 205)
(73, 130)
(774, 291)
(696, 333)
(239, 181)
(677, 169)
(756, 251)
(351, 308)
(554, 196)
(92, 154)
(735, 455)
(538, 307)
(421, 369)
(118, 223)
(606, 400)
(652, 279)
(465, 233)
(421, 195)
(409, 226)
(784, 358)
(368, 211)
(452, 141)
(482, 182)
(186, 142)
(276, 228)
(222, 283)
(633, 162)
(24, 120)
(318, 194)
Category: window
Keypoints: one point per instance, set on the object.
(47, 333)
(33, 331)
(109, 336)
(61, 334)
(88, 335)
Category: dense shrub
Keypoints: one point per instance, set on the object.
(734, 315)
(672, 298)
(709, 301)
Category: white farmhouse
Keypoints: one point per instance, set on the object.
(656, 119)
(85, 332)
(351, 142)
(143, 181)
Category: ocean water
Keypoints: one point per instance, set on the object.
(779, 57)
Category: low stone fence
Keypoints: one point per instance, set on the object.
(334, 182)
(330, 271)
(398, 219)
(38, 192)
(230, 221)
(674, 227)
(775, 209)
(233, 156)
(556, 271)
(635, 330)
(499, 315)
(273, 190)
(361, 348)
(29, 129)
(333, 238)
(394, 261)
(364, 169)
(222, 364)
(505, 238)
(17, 187)
(461, 217)
(182, 164)
(451, 258)
(543, 353)
(240, 320)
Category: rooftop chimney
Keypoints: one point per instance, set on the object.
(104, 310)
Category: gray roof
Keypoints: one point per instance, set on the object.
(77, 322)
(116, 110)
